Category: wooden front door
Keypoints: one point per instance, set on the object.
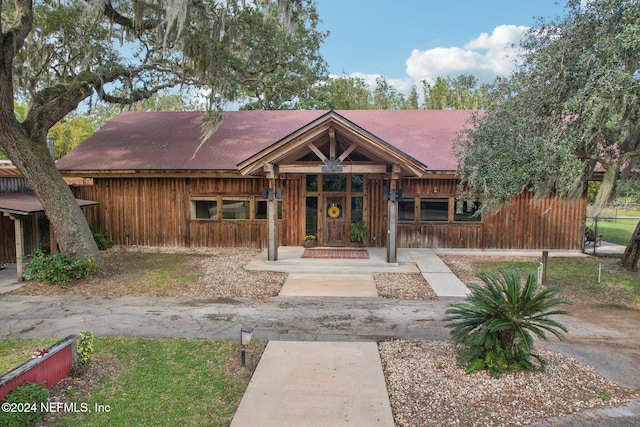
(335, 221)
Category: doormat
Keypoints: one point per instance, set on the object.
(339, 253)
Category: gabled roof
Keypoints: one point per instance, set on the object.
(171, 141)
(332, 126)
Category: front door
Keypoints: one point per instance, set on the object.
(335, 221)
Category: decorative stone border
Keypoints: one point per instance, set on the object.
(50, 368)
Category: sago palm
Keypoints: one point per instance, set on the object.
(496, 321)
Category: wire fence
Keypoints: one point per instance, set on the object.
(608, 232)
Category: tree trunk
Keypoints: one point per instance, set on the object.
(632, 253)
(34, 162)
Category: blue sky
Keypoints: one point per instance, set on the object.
(411, 40)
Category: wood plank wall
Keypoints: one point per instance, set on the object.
(8, 238)
(524, 224)
(156, 212)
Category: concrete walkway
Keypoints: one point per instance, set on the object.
(331, 383)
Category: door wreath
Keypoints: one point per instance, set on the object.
(333, 211)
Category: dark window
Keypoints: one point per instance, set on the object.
(434, 210)
(356, 208)
(357, 183)
(406, 210)
(311, 223)
(337, 183)
(312, 183)
(466, 210)
(261, 209)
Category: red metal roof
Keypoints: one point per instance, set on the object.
(171, 140)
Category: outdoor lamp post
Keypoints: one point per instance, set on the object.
(245, 338)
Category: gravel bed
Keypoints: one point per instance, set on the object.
(403, 286)
(427, 388)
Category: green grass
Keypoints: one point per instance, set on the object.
(578, 278)
(17, 351)
(169, 381)
(615, 230)
(618, 231)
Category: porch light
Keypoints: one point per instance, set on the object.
(245, 339)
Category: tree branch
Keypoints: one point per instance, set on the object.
(133, 24)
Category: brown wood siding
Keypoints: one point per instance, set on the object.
(8, 246)
(8, 236)
(156, 212)
(549, 223)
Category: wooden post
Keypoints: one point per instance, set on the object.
(272, 251)
(392, 243)
(545, 258)
(19, 232)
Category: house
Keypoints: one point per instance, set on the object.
(269, 178)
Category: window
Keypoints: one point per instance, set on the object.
(357, 183)
(466, 210)
(312, 183)
(406, 210)
(335, 183)
(204, 209)
(434, 210)
(311, 226)
(357, 207)
(261, 209)
(236, 209)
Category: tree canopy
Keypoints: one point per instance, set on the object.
(571, 109)
(55, 54)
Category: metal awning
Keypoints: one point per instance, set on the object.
(28, 203)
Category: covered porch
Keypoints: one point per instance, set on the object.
(332, 174)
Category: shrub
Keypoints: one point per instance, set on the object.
(101, 238)
(57, 269)
(495, 322)
(85, 347)
(28, 397)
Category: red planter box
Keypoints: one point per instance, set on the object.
(50, 368)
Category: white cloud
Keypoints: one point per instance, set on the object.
(485, 57)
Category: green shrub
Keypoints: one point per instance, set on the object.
(495, 322)
(85, 347)
(57, 269)
(101, 238)
(26, 400)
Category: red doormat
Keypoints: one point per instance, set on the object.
(339, 253)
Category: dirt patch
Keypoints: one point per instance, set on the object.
(172, 272)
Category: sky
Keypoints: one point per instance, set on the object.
(411, 40)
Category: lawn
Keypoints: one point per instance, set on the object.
(614, 229)
(152, 382)
(576, 277)
(17, 351)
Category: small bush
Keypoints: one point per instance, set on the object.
(58, 270)
(26, 400)
(496, 322)
(85, 347)
(101, 238)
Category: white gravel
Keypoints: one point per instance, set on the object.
(427, 388)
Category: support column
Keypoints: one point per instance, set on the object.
(392, 203)
(19, 232)
(272, 251)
